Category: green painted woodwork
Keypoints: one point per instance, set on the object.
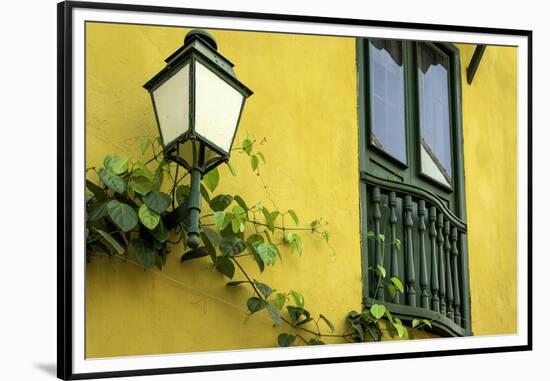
(390, 188)
(415, 192)
(383, 166)
(410, 278)
(448, 273)
(435, 275)
(441, 258)
(393, 240)
(424, 298)
(456, 288)
(442, 324)
(378, 242)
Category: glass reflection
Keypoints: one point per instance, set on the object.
(433, 73)
(387, 90)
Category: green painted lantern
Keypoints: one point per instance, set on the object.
(198, 102)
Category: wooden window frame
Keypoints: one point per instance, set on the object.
(381, 168)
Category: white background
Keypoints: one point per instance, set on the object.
(28, 187)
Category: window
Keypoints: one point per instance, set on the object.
(387, 90)
(412, 181)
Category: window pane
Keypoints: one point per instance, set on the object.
(433, 74)
(387, 94)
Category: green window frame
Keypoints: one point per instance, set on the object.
(413, 224)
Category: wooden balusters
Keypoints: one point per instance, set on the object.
(454, 255)
(424, 298)
(393, 241)
(434, 279)
(441, 257)
(409, 253)
(378, 243)
(448, 274)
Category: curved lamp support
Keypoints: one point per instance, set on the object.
(194, 209)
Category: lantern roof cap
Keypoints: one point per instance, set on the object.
(198, 45)
(203, 35)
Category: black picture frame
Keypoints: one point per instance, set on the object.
(65, 180)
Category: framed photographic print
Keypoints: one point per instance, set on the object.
(243, 190)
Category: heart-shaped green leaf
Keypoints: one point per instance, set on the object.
(157, 201)
(222, 219)
(254, 162)
(124, 216)
(225, 266)
(267, 252)
(98, 210)
(112, 180)
(220, 202)
(240, 201)
(401, 330)
(148, 217)
(211, 240)
(116, 164)
(255, 239)
(381, 271)
(195, 253)
(264, 288)
(298, 298)
(145, 254)
(144, 145)
(397, 284)
(294, 216)
(279, 300)
(247, 146)
(377, 310)
(140, 184)
(296, 312)
(231, 246)
(286, 340)
(255, 304)
(211, 179)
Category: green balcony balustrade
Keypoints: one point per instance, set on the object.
(424, 297)
(393, 241)
(416, 238)
(441, 259)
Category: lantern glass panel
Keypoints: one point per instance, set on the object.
(172, 105)
(217, 107)
(186, 152)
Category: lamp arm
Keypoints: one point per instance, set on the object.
(194, 209)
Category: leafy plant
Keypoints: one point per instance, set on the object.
(131, 208)
(125, 210)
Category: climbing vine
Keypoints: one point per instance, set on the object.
(129, 212)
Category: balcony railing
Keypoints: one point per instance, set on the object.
(412, 234)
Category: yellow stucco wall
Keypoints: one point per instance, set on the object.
(489, 109)
(305, 89)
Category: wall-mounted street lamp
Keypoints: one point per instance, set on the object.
(198, 102)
